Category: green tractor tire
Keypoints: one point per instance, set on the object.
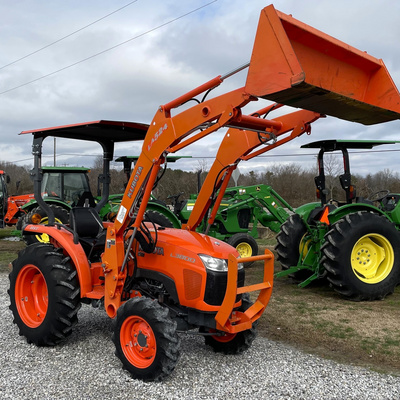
(245, 244)
(290, 243)
(361, 255)
(158, 218)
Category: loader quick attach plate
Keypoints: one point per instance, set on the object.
(297, 65)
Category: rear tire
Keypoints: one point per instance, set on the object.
(362, 256)
(61, 216)
(145, 339)
(44, 295)
(245, 244)
(158, 218)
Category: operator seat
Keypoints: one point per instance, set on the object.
(86, 199)
(87, 224)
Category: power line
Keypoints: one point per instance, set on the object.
(110, 48)
(67, 36)
(212, 157)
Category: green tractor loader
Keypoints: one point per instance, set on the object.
(242, 211)
(354, 243)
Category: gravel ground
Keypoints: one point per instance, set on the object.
(85, 368)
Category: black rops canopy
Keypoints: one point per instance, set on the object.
(96, 131)
(332, 145)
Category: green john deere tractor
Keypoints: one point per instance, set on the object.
(354, 244)
(242, 211)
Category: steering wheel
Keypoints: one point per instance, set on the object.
(379, 195)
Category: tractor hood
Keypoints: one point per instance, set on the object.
(195, 243)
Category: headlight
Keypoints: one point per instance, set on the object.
(216, 264)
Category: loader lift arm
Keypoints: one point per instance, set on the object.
(239, 145)
(290, 64)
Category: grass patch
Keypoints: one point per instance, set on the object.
(316, 319)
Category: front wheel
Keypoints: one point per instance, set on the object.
(232, 343)
(362, 256)
(291, 242)
(145, 339)
(44, 295)
(245, 244)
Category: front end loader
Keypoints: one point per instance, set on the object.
(157, 282)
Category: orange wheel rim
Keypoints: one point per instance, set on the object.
(31, 296)
(223, 338)
(138, 342)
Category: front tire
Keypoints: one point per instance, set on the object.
(245, 245)
(290, 243)
(229, 343)
(145, 339)
(44, 295)
(362, 256)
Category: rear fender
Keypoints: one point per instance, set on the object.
(64, 239)
(33, 203)
(164, 211)
(340, 212)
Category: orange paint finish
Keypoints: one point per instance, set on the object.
(240, 145)
(176, 256)
(243, 321)
(295, 64)
(64, 239)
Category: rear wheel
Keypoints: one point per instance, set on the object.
(61, 216)
(235, 343)
(245, 245)
(145, 339)
(362, 256)
(291, 242)
(44, 295)
(158, 218)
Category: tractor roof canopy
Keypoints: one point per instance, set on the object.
(332, 145)
(96, 131)
(66, 169)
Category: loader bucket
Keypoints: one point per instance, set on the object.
(297, 65)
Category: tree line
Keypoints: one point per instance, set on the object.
(292, 181)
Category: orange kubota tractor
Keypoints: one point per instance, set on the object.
(158, 282)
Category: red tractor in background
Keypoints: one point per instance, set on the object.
(157, 282)
(4, 180)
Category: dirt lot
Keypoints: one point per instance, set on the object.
(317, 320)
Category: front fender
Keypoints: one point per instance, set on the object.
(305, 209)
(65, 240)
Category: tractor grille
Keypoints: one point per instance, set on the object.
(216, 287)
(192, 281)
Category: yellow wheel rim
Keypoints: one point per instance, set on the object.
(244, 250)
(44, 237)
(304, 246)
(372, 258)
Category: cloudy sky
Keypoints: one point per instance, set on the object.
(64, 62)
